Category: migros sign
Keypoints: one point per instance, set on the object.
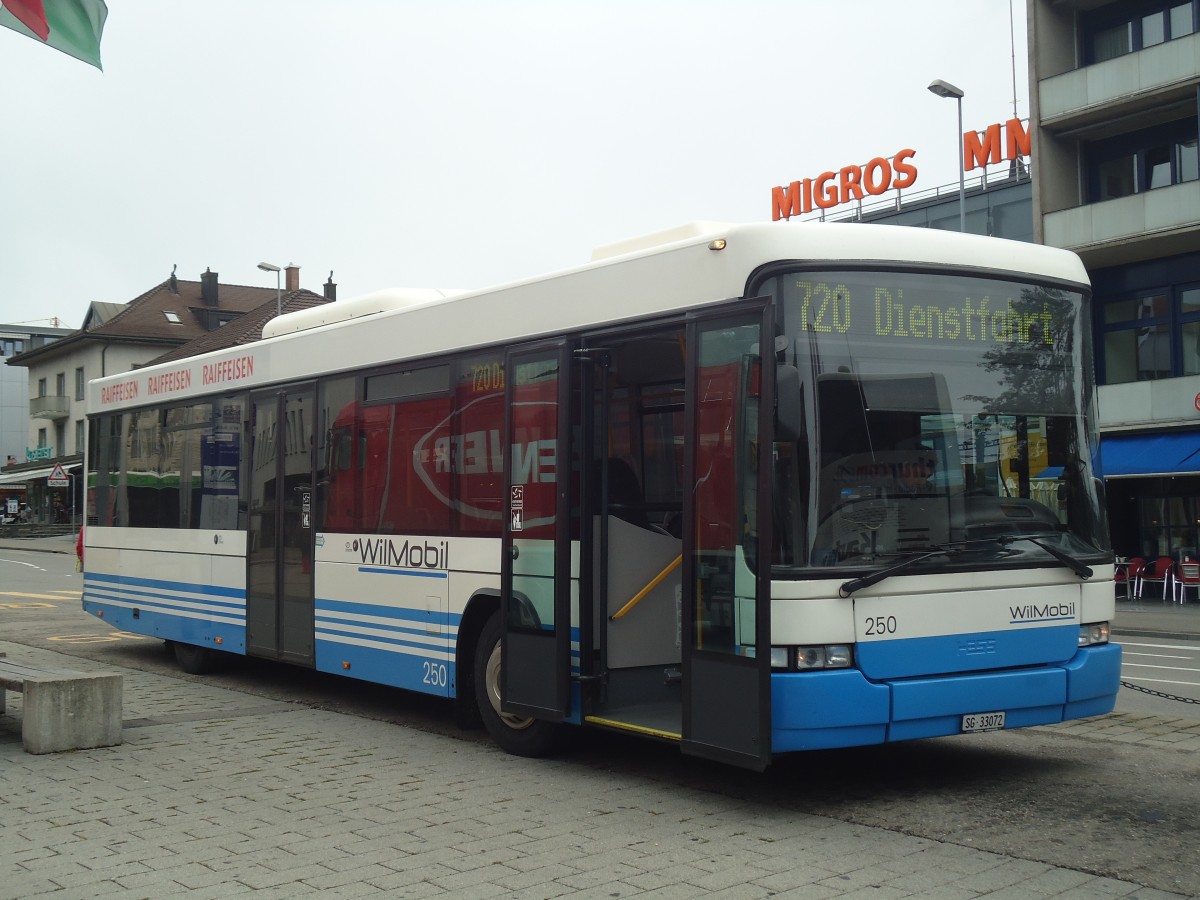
(881, 174)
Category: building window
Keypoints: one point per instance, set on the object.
(173, 318)
(79, 439)
(41, 437)
(1168, 526)
(60, 384)
(1112, 42)
(41, 387)
(80, 383)
(1142, 161)
(1120, 28)
(1152, 335)
(1117, 177)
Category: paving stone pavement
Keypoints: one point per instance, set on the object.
(216, 793)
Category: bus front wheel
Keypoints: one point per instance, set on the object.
(518, 735)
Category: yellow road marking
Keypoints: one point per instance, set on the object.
(34, 596)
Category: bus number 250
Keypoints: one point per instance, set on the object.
(435, 674)
(880, 625)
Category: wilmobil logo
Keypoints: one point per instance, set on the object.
(1033, 614)
(386, 553)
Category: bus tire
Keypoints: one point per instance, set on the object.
(196, 660)
(515, 734)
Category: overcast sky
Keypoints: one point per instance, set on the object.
(454, 144)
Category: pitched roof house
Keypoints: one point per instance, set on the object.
(162, 322)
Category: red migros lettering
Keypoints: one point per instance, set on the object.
(118, 393)
(985, 150)
(830, 189)
(234, 369)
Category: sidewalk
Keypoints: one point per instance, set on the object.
(218, 792)
(1150, 617)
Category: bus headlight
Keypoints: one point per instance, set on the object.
(1090, 635)
(827, 656)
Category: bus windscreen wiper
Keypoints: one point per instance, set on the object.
(1003, 540)
(1083, 571)
(875, 577)
(950, 549)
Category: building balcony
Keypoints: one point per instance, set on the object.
(51, 406)
(1150, 224)
(1154, 83)
(1142, 404)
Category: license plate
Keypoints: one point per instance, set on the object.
(976, 722)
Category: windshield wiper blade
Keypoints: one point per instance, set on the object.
(1079, 568)
(857, 584)
(952, 549)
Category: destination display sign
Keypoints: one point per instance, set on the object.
(912, 309)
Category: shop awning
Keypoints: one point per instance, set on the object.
(31, 474)
(1145, 455)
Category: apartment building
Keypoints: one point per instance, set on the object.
(1114, 96)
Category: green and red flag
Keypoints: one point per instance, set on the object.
(72, 26)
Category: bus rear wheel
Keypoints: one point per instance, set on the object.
(517, 735)
(195, 660)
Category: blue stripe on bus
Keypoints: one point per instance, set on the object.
(214, 590)
(413, 573)
(170, 603)
(332, 607)
(190, 598)
(358, 639)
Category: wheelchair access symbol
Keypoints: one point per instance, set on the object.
(516, 506)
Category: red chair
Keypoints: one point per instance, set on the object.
(1127, 573)
(1159, 571)
(1187, 575)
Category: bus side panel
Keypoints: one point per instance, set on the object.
(385, 623)
(194, 598)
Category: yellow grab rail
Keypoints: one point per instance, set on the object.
(640, 595)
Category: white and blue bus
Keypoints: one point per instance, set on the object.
(750, 489)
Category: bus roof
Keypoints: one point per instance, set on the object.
(664, 273)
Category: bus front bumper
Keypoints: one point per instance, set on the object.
(821, 710)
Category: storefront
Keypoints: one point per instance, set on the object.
(47, 505)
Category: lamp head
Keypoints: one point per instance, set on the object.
(267, 267)
(945, 89)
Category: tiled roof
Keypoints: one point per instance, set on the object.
(144, 319)
(246, 329)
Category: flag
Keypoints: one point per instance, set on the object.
(72, 26)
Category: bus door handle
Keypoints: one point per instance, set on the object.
(515, 551)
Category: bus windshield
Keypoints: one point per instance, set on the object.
(937, 410)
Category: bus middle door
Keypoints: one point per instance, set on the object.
(537, 558)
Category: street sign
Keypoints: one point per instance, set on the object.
(58, 477)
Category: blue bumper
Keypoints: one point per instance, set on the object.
(818, 710)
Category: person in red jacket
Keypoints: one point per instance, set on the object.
(79, 551)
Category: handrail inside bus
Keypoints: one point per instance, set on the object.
(655, 582)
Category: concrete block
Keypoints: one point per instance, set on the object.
(71, 712)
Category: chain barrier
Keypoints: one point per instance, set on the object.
(1145, 690)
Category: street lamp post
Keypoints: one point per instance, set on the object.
(267, 267)
(946, 89)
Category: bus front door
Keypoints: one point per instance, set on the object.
(279, 555)
(536, 562)
(726, 628)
